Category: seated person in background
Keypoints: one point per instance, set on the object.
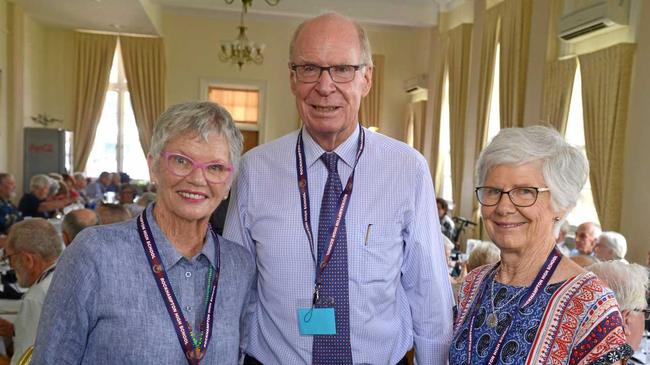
(484, 253)
(611, 246)
(35, 203)
(563, 230)
(96, 189)
(75, 221)
(446, 223)
(115, 181)
(126, 195)
(112, 213)
(80, 185)
(629, 283)
(70, 185)
(586, 237)
(32, 250)
(9, 214)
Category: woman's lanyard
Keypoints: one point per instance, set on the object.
(540, 282)
(193, 352)
(341, 209)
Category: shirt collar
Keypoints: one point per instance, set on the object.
(168, 254)
(347, 151)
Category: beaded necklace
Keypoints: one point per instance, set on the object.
(208, 290)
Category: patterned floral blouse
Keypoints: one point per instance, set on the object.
(572, 322)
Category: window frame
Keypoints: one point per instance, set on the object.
(239, 84)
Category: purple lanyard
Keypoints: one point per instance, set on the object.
(341, 210)
(193, 353)
(541, 280)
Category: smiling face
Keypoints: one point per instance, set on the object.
(518, 228)
(191, 198)
(328, 109)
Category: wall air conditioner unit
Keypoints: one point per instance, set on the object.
(582, 19)
(415, 84)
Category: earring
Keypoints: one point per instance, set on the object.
(557, 219)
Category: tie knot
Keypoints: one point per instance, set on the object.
(330, 159)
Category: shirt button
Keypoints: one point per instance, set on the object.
(188, 274)
(188, 308)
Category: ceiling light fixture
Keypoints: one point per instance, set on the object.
(241, 51)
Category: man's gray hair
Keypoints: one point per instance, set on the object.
(564, 167)
(628, 281)
(40, 181)
(616, 242)
(198, 118)
(3, 176)
(364, 43)
(37, 236)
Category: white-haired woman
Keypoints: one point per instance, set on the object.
(611, 246)
(162, 288)
(535, 306)
(35, 203)
(629, 283)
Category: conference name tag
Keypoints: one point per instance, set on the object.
(316, 321)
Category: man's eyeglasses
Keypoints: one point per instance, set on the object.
(6, 259)
(520, 197)
(312, 73)
(182, 166)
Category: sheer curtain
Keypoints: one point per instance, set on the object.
(93, 59)
(144, 66)
(514, 38)
(605, 98)
(458, 61)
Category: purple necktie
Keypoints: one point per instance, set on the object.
(333, 349)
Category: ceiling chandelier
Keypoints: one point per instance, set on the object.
(241, 51)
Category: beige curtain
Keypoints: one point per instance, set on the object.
(93, 59)
(370, 109)
(486, 78)
(558, 85)
(458, 61)
(435, 163)
(514, 38)
(414, 127)
(144, 66)
(605, 98)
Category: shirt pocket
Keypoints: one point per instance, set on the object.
(380, 251)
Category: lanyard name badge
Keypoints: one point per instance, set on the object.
(319, 319)
(193, 352)
(540, 282)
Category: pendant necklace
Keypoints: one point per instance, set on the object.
(492, 320)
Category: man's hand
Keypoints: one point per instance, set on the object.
(6, 329)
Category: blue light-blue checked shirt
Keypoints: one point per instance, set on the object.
(400, 294)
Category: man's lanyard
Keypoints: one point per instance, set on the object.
(540, 282)
(193, 353)
(341, 210)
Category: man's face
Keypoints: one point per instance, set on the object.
(19, 264)
(105, 180)
(586, 236)
(7, 187)
(329, 109)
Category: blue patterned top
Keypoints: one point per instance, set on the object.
(521, 335)
(9, 215)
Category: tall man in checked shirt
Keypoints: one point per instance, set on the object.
(360, 278)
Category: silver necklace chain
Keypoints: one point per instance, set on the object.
(492, 318)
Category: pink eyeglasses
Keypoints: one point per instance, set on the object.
(180, 165)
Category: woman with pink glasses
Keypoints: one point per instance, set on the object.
(162, 288)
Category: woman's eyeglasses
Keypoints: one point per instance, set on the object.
(520, 197)
(182, 166)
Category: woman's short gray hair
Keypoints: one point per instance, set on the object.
(628, 281)
(198, 118)
(40, 181)
(616, 242)
(564, 167)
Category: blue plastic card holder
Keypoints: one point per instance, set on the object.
(316, 321)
